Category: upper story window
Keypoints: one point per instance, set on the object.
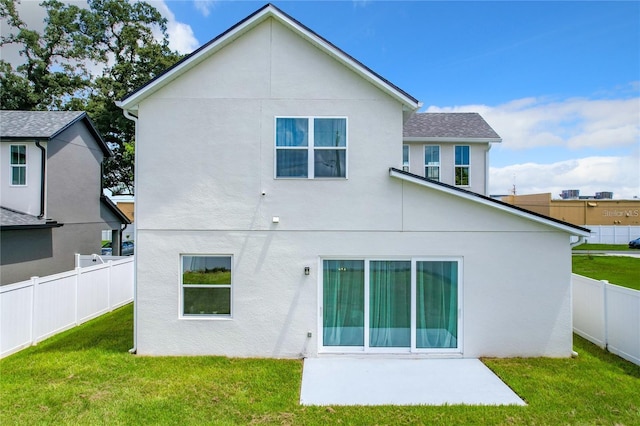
(206, 285)
(18, 165)
(462, 165)
(311, 147)
(405, 158)
(432, 162)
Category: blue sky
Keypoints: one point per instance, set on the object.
(559, 81)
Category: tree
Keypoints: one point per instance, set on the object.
(127, 39)
(54, 67)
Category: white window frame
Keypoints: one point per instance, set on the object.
(450, 352)
(310, 148)
(231, 286)
(457, 166)
(433, 164)
(17, 165)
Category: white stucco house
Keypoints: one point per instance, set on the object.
(290, 202)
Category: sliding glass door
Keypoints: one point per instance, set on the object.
(388, 305)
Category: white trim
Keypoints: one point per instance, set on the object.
(131, 102)
(412, 349)
(230, 286)
(311, 148)
(19, 165)
(489, 203)
(434, 139)
(439, 165)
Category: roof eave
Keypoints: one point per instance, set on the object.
(432, 139)
(481, 199)
(131, 101)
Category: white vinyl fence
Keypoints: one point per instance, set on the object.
(33, 310)
(610, 234)
(607, 315)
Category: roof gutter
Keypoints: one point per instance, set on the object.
(43, 181)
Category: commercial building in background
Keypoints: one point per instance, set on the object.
(599, 209)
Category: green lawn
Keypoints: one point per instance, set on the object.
(86, 376)
(619, 270)
(607, 247)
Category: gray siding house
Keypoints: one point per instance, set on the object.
(51, 201)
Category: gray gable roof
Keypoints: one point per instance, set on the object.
(12, 219)
(45, 125)
(454, 125)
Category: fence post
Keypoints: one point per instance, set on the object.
(34, 305)
(109, 281)
(605, 312)
(77, 291)
(77, 257)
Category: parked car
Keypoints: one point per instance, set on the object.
(635, 243)
(126, 250)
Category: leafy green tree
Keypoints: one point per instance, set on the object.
(127, 39)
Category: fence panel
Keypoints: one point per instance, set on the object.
(623, 322)
(612, 234)
(121, 279)
(54, 306)
(607, 315)
(41, 307)
(16, 326)
(93, 292)
(588, 309)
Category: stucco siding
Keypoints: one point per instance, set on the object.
(507, 311)
(23, 198)
(73, 176)
(204, 163)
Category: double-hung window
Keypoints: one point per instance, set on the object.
(432, 162)
(462, 165)
(18, 165)
(311, 147)
(206, 285)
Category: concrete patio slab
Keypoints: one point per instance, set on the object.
(389, 381)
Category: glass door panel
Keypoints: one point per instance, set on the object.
(437, 304)
(343, 303)
(390, 304)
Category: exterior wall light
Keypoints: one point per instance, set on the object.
(306, 270)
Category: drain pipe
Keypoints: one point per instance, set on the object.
(43, 167)
(134, 349)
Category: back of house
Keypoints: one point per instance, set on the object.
(279, 216)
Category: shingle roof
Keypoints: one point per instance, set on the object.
(45, 125)
(11, 219)
(464, 125)
(35, 124)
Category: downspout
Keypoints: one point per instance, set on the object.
(134, 349)
(43, 167)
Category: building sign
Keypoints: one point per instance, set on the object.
(621, 213)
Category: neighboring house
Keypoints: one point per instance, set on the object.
(449, 147)
(51, 194)
(274, 218)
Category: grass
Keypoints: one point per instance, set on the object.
(605, 247)
(619, 270)
(86, 376)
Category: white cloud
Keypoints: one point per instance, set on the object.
(204, 6)
(589, 175)
(181, 37)
(573, 123)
